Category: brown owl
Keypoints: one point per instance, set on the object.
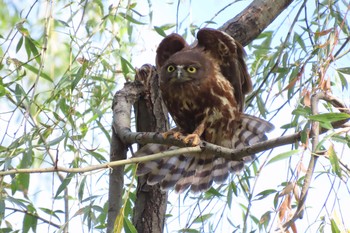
(203, 87)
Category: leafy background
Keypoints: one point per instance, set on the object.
(61, 63)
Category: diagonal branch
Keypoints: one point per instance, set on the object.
(247, 25)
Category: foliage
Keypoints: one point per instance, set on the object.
(61, 64)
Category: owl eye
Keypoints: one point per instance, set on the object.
(170, 68)
(192, 69)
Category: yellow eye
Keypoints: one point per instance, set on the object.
(192, 69)
(170, 68)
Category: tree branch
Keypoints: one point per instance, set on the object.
(150, 137)
(247, 25)
(35, 215)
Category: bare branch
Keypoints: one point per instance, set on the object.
(185, 150)
(254, 19)
(35, 215)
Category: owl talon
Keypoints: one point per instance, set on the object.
(175, 134)
(194, 138)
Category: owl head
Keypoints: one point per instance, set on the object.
(215, 53)
(185, 66)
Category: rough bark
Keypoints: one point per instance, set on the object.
(247, 25)
(150, 204)
(118, 150)
(116, 180)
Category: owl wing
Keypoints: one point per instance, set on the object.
(169, 46)
(230, 57)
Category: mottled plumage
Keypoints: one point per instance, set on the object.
(203, 87)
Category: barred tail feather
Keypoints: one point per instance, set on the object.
(199, 171)
(252, 130)
(186, 180)
(256, 125)
(176, 173)
(220, 170)
(152, 148)
(203, 179)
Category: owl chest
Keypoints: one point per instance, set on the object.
(189, 105)
(185, 106)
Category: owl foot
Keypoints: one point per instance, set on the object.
(193, 138)
(175, 134)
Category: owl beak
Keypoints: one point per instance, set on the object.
(179, 73)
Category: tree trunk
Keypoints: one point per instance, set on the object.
(151, 116)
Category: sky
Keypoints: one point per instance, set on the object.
(271, 177)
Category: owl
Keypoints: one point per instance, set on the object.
(203, 87)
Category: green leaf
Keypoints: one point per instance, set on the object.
(19, 44)
(128, 226)
(330, 117)
(188, 230)
(305, 111)
(229, 196)
(283, 156)
(36, 71)
(304, 136)
(202, 218)
(56, 140)
(265, 193)
(23, 181)
(19, 93)
(160, 31)
(29, 43)
(52, 213)
(62, 22)
(334, 227)
(29, 222)
(2, 208)
(24, 31)
(326, 119)
(300, 41)
(81, 189)
(343, 80)
(333, 158)
(131, 19)
(261, 106)
(99, 157)
(265, 219)
(64, 184)
(3, 90)
(126, 66)
(344, 70)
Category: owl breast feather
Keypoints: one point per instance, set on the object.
(212, 101)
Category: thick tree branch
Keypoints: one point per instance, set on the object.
(247, 25)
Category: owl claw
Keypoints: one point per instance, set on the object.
(194, 138)
(175, 134)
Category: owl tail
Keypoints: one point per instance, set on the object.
(199, 171)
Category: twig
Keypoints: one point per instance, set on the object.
(35, 216)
